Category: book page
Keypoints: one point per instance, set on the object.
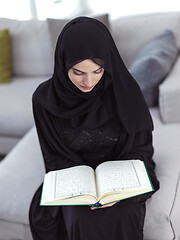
(74, 181)
(115, 176)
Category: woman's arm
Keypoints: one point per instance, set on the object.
(139, 146)
(52, 148)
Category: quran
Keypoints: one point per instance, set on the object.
(111, 181)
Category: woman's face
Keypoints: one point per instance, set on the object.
(85, 75)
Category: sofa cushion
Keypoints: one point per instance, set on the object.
(7, 143)
(15, 108)
(153, 63)
(169, 96)
(131, 33)
(56, 26)
(5, 56)
(14, 231)
(31, 47)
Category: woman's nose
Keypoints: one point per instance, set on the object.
(88, 81)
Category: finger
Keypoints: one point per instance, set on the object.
(107, 205)
(93, 208)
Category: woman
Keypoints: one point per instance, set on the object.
(90, 111)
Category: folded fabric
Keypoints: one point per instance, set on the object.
(5, 56)
(153, 63)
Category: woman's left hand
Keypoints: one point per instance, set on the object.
(107, 205)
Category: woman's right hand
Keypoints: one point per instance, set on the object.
(104, 206)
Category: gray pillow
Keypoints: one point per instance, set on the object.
(56, 25)
(153, 63)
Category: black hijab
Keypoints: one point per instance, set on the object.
(117, 96)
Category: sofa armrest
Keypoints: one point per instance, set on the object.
(175, 211)
(21, 173)
(169, 96)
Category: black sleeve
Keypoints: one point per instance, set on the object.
(55, 153)
(139, 146)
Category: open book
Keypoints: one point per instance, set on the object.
(81, 185)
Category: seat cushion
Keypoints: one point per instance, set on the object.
(14, 231)
(15, 108)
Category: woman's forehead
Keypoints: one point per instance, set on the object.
(87, 64)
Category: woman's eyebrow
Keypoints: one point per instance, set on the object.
(84, 72)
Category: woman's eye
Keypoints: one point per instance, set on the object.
(76, 73)
(79, 73)
(99, 71)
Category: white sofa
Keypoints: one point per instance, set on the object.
(18, 184)
(31, 54)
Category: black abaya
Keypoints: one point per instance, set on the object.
(122, 221)
(125, 219)
(109, 123)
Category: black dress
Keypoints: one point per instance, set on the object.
(124, 220)
(110, 122)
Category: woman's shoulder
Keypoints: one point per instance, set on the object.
(41, 91)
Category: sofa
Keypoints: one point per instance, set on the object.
(18, 183)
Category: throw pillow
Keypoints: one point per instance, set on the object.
(153, 63)
(5, 56)
(56, 26)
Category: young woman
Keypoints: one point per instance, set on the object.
(90, 111)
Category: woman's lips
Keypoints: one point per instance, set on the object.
(87, 88)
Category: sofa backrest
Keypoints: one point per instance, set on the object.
(31, 47)
(131, 33)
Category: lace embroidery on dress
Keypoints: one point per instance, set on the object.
(88, 138)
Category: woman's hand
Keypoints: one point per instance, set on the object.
(107, 205)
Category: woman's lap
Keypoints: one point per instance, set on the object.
(124, 221)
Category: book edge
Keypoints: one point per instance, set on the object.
(40, 204)
(148, 177)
